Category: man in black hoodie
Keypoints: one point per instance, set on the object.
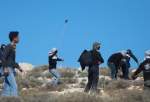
(93, 71)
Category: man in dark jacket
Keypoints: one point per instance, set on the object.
(114, 64)
(145, 68)
(53, 59)
(9, 64)
(120, 60)
(93, 71)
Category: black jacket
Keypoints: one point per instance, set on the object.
(9, 59)
(53, 61)
(116, 58)
(97, 58)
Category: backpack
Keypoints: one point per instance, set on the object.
(2, 52)
(85, 59)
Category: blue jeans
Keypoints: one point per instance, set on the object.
(113, 70)
(10, 86)
(1, 71)
(56, 77)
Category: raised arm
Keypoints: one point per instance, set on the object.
(59, 59)
(139, 70)
(134, 58)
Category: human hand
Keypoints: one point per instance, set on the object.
(21, 70)
(133, 77)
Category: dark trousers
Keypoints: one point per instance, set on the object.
(146, 88)
(93, 77)
(114, 70)
(147, 85)
(125, 70)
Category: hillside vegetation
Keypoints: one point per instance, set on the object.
(34, 86)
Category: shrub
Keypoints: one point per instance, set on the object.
(69, 80)
(82, 73)
(10, 99)
(120, 96)
(105, 71)
(67, 73)
(28, 82)
(117, 85)
(83, 84)
(37, 71)
(50, 87)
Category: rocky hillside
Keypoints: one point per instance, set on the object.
(34, 86)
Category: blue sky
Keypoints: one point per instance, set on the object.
(117, 24)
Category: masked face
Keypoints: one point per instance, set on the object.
(98, 47)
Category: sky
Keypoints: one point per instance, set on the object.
(117, 24)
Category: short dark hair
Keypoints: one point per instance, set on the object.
(13, 34)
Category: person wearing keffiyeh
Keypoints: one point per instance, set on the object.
(53, 59)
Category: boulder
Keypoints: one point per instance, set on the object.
(26, 66)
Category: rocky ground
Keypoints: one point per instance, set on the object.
(34, 86)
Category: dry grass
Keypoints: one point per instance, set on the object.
(10, 99)
(83, 83)
(31, 80)
(37, 71)
(69, 80)
(28, 82)
(82, 74)
(105, 71)
(122, 96)
(67, 73)
(118, 84)
(49, 88)
(114, 91)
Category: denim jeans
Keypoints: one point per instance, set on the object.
(93, 78)
(113, 70)
(1, 71)
(56, 77)
(10, 86)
